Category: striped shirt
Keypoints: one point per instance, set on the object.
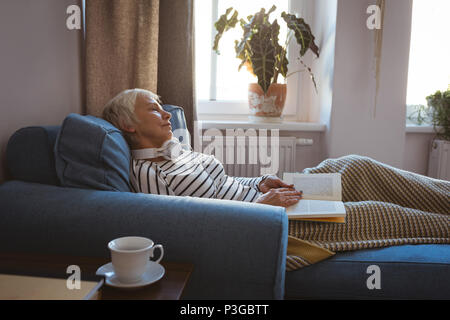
(192, 174)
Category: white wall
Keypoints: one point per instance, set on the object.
(417, 150)
(40, 78)
(321, 16)
(354, 129)
(346, 82)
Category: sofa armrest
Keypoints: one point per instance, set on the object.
(238, 249)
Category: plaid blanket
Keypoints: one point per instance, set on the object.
(385, 206)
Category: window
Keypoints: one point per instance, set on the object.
(429, 63)
(218, 81)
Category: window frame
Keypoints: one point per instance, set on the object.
(225, 107)
(412, 107)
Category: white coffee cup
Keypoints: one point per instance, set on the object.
(130, 256)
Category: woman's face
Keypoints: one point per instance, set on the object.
(153, 128)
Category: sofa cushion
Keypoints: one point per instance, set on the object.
(179, 126)
(29, 155)
(406, 272)
(91, 153)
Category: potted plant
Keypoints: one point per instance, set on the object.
(439, 107)
(439, 112)
(265, 58)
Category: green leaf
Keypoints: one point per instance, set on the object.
(243, 48)
(263, 55)
(271, 10)
(243, 54)
(274, 31)
(240, 47)
(224, 24)
(302, 32)
(282, 62)
(310, 74)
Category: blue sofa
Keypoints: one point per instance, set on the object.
(238, 249)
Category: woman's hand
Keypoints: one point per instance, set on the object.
(283, 197)
(273, 182)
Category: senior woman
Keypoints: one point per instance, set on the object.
(384, 205)
(146, 125)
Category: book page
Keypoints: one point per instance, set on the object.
(317, 186)
(316, 208)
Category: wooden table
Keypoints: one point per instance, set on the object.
(170, 287)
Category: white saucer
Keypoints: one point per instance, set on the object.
(153, 273)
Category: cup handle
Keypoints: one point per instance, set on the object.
(162, 252)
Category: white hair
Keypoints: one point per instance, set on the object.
(119, 111)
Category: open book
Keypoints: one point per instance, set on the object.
(322, 197)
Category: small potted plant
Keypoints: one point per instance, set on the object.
(439, 106)
(439, 112)
(265, 58)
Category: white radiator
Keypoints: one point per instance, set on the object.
(241, 160)
(439, 161)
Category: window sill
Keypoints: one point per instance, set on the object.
(287, 126)
(412, 128)
(282, 126)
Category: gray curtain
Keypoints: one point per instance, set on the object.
(144, 44)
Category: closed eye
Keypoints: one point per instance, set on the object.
(154, 107)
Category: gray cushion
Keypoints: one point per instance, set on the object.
(179, 126)
(29, 155)
(91, 153)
